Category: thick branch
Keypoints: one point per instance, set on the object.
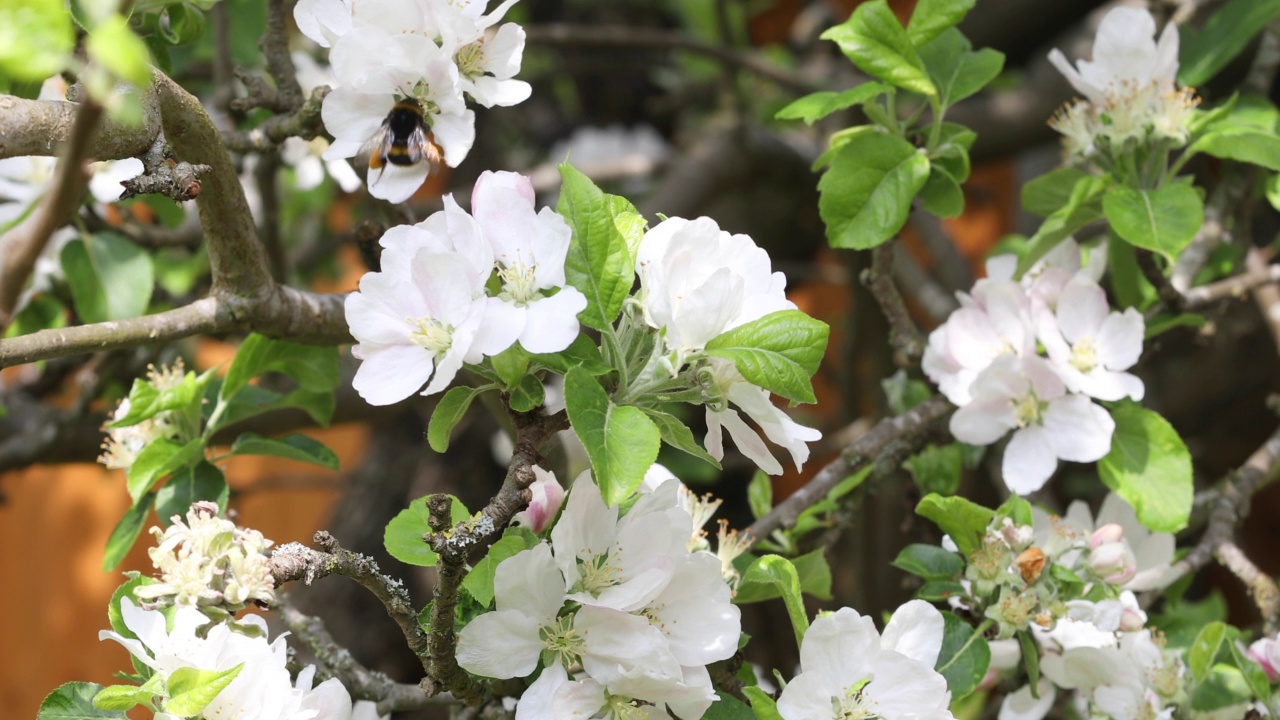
(867, 447)
(40, 127)
(294, 561)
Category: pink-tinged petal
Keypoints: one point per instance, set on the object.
(1029, 460)
(749, 443)
(1082, 308)
(1046, 384)
(971, 338)
(551, 323)
(915, 630)
(397, 183)
(1078, 429)
(983, 421)
(1119, 341)
(1001, 267)
(501, 644)
(1009, 312)
(455, 134)
(392, 373)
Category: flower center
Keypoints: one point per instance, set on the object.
(1029, 410)
(519, 282)
(1084, 355)
(562, 641)
(598, 574)
(855, 705)
(470, 59)
(430, 334)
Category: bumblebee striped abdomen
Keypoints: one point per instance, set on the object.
(404, 138)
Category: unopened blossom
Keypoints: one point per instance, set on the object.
(208, 560)
(1152, 551)
(1025, 396)
(530, 248)
(849, 670)
(1089, 346)
(1266, 652)
(546, 496)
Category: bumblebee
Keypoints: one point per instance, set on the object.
(404, 139)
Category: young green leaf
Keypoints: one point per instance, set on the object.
(678, 435)
(314, 367)
(964, 657)
(813, 107)
(621, 441)
(448, 413)
(156, 460)
(764, 707)
(929, 562)
(814, 573)
(1050, 191)
(145, 401)
(191, 689)
(527, 394)
(876, 42)
(1204, 650)
(599, 262)
(1224, 36)
(202, 481)
(955, 69)
(126, 533)
(1163, 220)
(867, 190)
(965, 521)
(778, 352)
(121, 697)
(1082, 207)
(479, 582)
(931, 17)
(941, 194)
(293, 447)
(760, 494)
(774, 576)
(1256, 147)
(1150, 467)
(74, 700)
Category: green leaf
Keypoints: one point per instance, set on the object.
(293, 447)
(1224, 687)
(74, 700)
(1163, 220)
(955, 69)
(599, 262)
(678, 435)
(964, 657)
(315, 368)
(156, 460)
(621, 441)
(1204, 650)
(1016, 509)
(1149, 467)
(1126, 277)
(875, 41)
(901, 393)
(1252, 672)
(403, 536)
(1050, 191)
(866, 192)
(581, 352)
(952, 152)
(812, 108)
(966, 522)
(760, 495)
(929, 562)
(511, 365)
(1256, 147)
(1030, 659)
(118, 274)
(1082, 207)
(135, 581)
(762, 705)
(121, 697)
(728, 707)
(36, 40)
(448, 413)
(814, 573)
(938, 469)
(479, 582)
(113, 45)
(941, 194)
(203, 481)
(931, 17)
(774, 576)
(145, 401)
(941, 590)
(252, 400)
(778, 352)
(191, 689)
(1161, 324)
(527, 394)
(1227, 33)
(126, 533)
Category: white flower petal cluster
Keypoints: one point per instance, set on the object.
(306, 157)
(208, 561)
(1132, 678)
(986, 359)
(122, 445)
(1129, 88)
(696, 283)
(849, 670)
(622, 615)
(262, 690)
(1150, 554)
(428, 312)
(433, 52)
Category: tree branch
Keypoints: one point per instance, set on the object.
(1235, 286)
(39, 127)
(867, 447)
(1261, 587)
(908, 344)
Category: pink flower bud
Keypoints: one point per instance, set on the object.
(1113, 562)
(1267, 655)
(1109, 533)
(547, 496)
(1132, 620)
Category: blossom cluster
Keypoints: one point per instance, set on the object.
(1030, 356)
(1130, 92)
(622, 617)
(122, 444)
(850, 670)
(209, 563)
(430, 309)
(261, 688)
(432, 53)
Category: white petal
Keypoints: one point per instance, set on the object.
(1119, 340)
(749, 443)
(354, 116)
(1021, 706)
(454, 133)
(537, 701)
(397, 183)
(1082, 308)
(501, 644)
(530, 582)
(392, 373)
(983, 421)
(915, 630)
(1029, 460)
(552, 323)
(1078, 429)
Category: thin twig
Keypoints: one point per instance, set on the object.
(1261, 586)
(1235, 286)
(867, 447)
(22, 245)
(1168, 294)
(908, 344)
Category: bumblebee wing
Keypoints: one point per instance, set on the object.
(378, 146)
(417, 146)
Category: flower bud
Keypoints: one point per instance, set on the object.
(1267, 654)
(1109, 533)
(1113, 562)
(546, 496)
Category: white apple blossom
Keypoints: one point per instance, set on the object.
(1025, 396)
(530, 249)
(1089, 346)
(776, 424)
(261, 690)
(849, 670)
(993, 322)
(487, 61)
(306, 157)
